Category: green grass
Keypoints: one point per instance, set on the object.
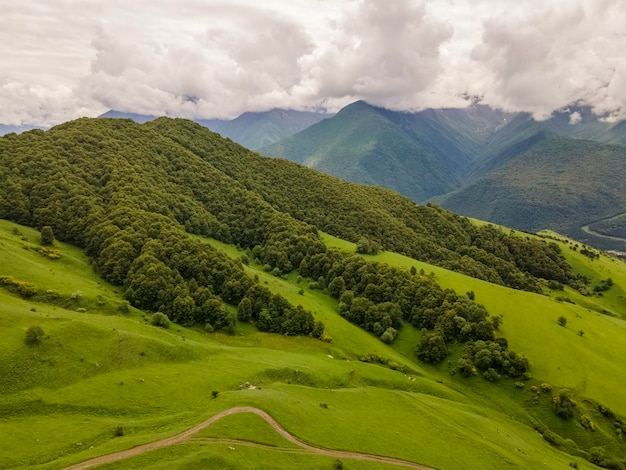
(220, 455)
(246, 427)
(96, 371)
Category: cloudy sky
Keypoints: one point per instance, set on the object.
(61, 59)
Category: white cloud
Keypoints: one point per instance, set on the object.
(575, 118)
(218, 58)
(543, 58)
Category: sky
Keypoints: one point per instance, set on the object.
(62, 59)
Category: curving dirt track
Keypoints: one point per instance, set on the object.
(186, 435)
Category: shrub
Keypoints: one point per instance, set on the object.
(34, 335)
(161, 320)
(214, 393)
(562, 321)
(119, 431)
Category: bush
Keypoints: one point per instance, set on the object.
(562, 321)
(34, 335)
(161, 320)
(119, 431)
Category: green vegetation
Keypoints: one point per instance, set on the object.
(555, 184)
(182, 226)
(111, 363)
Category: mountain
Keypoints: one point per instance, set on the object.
(361, 144)
(560, 183)
(256, 130)
(203, 284)
(139, 118)
(580, 122)
(6, 129)
(463, 159)
(252, 130)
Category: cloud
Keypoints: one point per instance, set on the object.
(543, 58)
(218, 58)
(383, 52)
(247, 61)
(575, 118)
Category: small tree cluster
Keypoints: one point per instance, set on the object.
(563, 404)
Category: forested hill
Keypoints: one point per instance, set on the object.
(131, 193)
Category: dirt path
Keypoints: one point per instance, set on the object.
(186, 435)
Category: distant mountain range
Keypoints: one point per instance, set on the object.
(252, 130)
(6, 129)
(563, 173)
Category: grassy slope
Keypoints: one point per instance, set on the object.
(530, 325)
(69, 389)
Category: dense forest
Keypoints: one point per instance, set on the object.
(133, 195)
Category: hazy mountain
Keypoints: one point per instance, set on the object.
(252, 130)
(7, 129)
(256, 130)
(138, 118)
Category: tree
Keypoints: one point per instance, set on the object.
(336, 287)
(47, 235)
(34, 335)
(562, 321)
(244, 310)
(432, 348)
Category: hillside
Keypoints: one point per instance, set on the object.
(227, 252)
(93, 372)
(561, 183)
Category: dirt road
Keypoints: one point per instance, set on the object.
(186, 435)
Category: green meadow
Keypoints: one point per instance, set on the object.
(103, 379)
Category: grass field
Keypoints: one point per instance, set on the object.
(98, 371)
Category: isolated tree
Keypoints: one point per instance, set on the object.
(34, 335)
(562, 321)
(47, 235)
